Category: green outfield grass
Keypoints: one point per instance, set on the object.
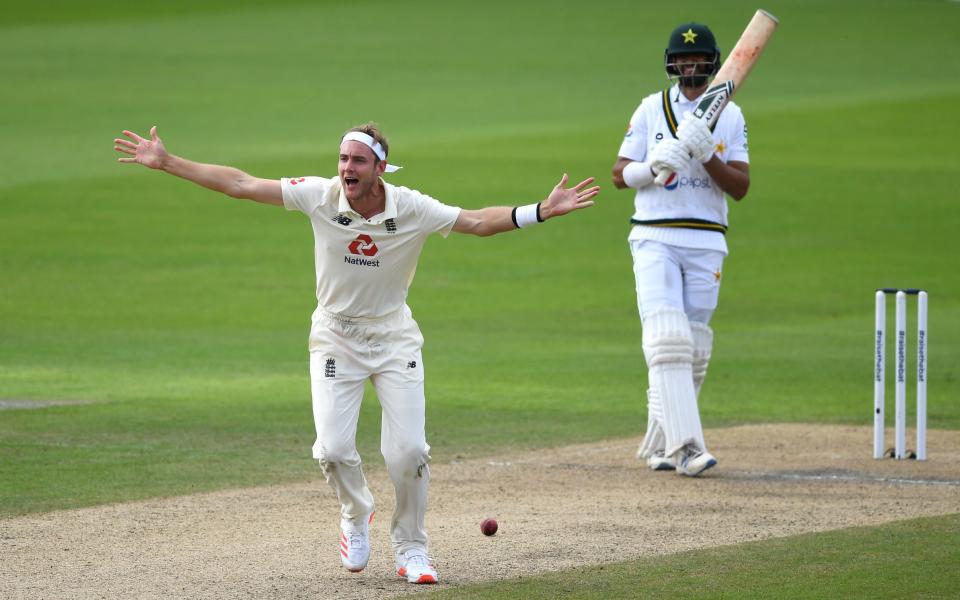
(178, 319)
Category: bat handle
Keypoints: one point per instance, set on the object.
(663, 176)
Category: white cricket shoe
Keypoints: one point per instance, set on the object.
(416, 567)
(691, 461)
(659, 462)
(355, 544)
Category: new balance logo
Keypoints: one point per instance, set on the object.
(330, 370)
(345, 221)
(412, 364)
(391, 225)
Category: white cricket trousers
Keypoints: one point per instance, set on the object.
(671, 276)
(344, 354)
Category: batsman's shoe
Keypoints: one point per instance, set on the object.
(416, 567)
(692, 461)
(659, 462)
(355, 544)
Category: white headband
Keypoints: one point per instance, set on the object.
(359, 136)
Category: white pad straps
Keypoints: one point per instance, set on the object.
(653, 440)
(702, 347)
(668, 346)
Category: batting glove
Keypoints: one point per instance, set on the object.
(696, 137)
(669, 155)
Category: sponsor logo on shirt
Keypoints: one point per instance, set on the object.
(681, 181)
(297, 180)
(362, 246)
(363, 262)
(672, 182)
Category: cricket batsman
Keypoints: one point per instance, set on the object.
(678, 240)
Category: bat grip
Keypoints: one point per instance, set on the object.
(663, 176)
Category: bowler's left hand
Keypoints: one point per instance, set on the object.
(565, 200)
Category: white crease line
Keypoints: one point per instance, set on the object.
(836, 477)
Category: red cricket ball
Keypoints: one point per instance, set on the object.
(488, 526)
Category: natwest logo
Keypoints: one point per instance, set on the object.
(363, 245)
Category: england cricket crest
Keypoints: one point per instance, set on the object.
(713, 101)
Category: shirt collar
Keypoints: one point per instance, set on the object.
(680, 99)
(389, 207)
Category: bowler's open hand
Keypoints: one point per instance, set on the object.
(149, 153)
(564, 200)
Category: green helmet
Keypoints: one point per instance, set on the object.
(692, 38)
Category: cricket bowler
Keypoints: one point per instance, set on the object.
(368, 238)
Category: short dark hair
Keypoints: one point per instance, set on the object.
(373, 130)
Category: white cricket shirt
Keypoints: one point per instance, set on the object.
(365, 266)
(691, 197)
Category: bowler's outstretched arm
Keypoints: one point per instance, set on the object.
(233, 182)
(498, 219)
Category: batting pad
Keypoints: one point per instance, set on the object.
(654, 439)
(702, 346)
(668, 346)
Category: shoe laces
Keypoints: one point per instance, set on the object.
(355, 539)
(690, 452)
(417, 559)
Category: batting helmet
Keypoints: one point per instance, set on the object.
(692, 38)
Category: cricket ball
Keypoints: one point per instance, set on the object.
(488, 526)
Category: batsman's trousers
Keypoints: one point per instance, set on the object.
(671, 276)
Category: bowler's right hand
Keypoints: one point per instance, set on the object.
(149, 153)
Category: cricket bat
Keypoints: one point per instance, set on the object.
(733, 72)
